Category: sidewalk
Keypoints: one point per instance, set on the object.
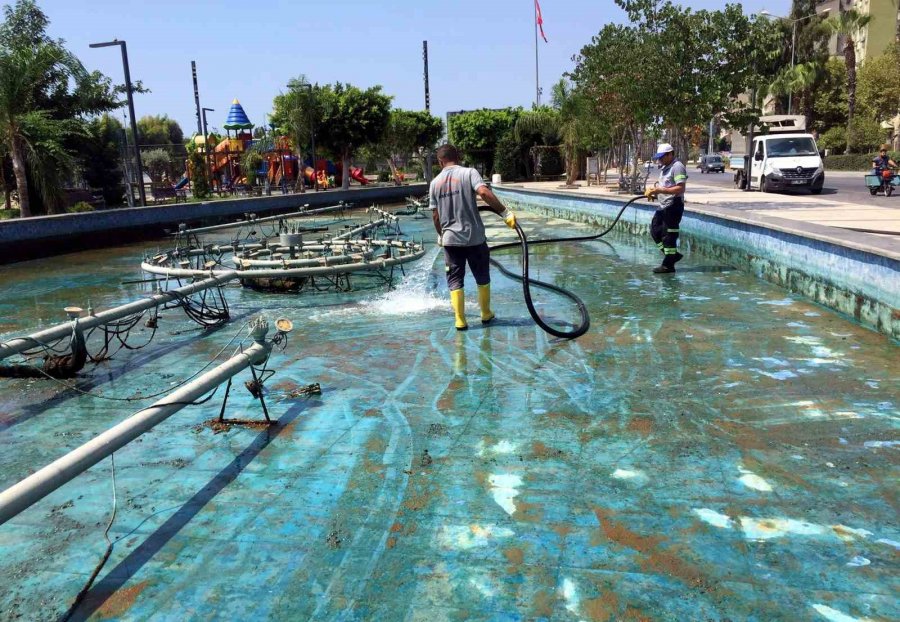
(863, 225)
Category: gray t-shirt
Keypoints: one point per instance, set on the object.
(669, 176)
(452, 193)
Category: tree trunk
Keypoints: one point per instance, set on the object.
(345, 162)
(6, 196)
(850, 61)
(21, 178)
(395, 174)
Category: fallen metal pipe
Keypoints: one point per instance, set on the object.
(20, 344)
(253, 221)
(376, 264)
(360, 229)
(35, 487)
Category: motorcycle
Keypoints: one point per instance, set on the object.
(885, 181)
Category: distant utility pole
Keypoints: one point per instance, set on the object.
(196, 97)
(425, 59)
(134, 128)
(427, 168)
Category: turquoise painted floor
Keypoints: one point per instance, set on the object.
(713, 449)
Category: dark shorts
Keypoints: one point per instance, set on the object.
(479, 260)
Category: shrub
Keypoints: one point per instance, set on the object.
(866, 134)
(551, 162)
(852, 162)
(384, 176)
(507, 160)
(197, 171)
(834, 139)
(81, 206)
(157, 162)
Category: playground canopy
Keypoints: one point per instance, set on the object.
(237, 118)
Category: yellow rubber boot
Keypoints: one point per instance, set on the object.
(458, 302)
(484, 302)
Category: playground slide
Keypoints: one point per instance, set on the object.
(181, 184)
(357, 174)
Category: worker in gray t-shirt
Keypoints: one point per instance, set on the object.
(664, 227)
(461, 232)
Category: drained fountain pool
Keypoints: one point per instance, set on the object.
(714, 448)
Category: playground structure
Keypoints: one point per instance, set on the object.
(279, 165)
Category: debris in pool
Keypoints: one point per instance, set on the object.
(858, 561)
(880, 444)
(425, 460)
(218, 427)
(437, 429)
(334, 539)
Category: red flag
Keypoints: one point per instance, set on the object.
(540, 20)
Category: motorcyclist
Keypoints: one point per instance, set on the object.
(882, 162)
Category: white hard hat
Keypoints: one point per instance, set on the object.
(662, 149)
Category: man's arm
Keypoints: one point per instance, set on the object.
(437, 221)
(487, 195)
(671, 190)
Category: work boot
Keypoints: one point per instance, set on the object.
(458, 302)
(484, 303)
(663, 269)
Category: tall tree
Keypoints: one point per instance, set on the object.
(100, 158)
(477, 133)
(879, 87)
(409, 133)
(847, 24)
(46, 97)
(30, 134)
(160, 130)
(350, 120)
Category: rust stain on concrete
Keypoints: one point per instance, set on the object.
(121, 601)
(602, 609)
(641, 424)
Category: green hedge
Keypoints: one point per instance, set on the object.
(853, 161)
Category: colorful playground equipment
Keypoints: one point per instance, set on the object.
(280, 165)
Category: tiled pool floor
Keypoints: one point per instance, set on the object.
(713, 449)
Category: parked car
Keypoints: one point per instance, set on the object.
(712, 164)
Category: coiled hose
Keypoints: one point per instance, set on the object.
(527, 282)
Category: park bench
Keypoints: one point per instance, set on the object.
(166, 193)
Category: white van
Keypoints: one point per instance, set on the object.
(782, 161)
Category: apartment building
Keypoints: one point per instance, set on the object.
(874, 38)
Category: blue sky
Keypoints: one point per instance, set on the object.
(481, 52)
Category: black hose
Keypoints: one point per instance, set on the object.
(527, 282)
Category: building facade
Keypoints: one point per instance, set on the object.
(874, 39)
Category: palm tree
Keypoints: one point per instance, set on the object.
(848, 24)
(798, 79)
(29, 134)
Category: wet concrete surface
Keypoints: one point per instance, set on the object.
(713, 449)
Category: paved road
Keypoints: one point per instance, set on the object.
(839, 186)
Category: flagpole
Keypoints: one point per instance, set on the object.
(537, 81)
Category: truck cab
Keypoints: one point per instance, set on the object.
(786, 161)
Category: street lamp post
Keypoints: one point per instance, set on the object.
(206, 146)
(794, 40)
(312, 137)
(134, 128)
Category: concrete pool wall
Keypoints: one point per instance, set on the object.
(27, 238)
(856, 274)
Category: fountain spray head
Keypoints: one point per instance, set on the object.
(259, 328)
